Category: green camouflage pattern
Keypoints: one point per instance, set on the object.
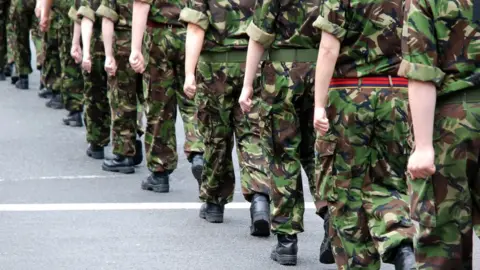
(165, 11)
(225, 22)
(360, 171)
(37, 38)
(97, 108)
(4, 7)
(163, 81)
(441, 43)
(119, 12)
(447, 205)
(220, 118)
(51, 72)
(286, 24)
(21, 18)
(370, 33)
(288, 138)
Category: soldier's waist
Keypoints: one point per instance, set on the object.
(370, 81)
(234, 56)
(169, 24)
(293, 55)
(468, 95)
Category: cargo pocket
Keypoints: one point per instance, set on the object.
(324, 168)
(422, 201)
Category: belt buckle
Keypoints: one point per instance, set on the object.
(169, 26)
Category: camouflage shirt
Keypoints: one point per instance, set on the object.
(118, 11)
(165, 11)
(225, 22)
(441, 44)
(285, 24)
(87, 10)
(369, 32)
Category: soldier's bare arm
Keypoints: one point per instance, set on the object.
(254, 55)
(193, 47)
(76, 50)
(87, 29)
(107, 34)
(45, 15)
(139, 24)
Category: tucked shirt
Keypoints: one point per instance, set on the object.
(225, 22)
(441, 44)
(369, 32)
(286, 24)
(165, 11)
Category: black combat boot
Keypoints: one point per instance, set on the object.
(157, 182)
(405, 258)
(73, 119)
(260, 215)
(45, 93)
(3, 77)
(138, 158)
(285, 252)
(121, 164)
(13, 73)
(22, 82)
(212, 212)
(7, 70)
(95, 151)
(55, 102)
(326, 254)
(197, 168)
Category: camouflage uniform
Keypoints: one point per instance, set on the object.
(126, 89)
(286, 113)
(51, 71)
(220, 74)
(4, 6)
(21, 17)
(97, 108)
(37, 38)
(362, 158)
(163, 81)
(440, 45)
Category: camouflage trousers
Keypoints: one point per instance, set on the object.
(4, 6)
(163, 80)
(360, 171)
(447, 205)
(126, 92)
(220, 118)
(37, 38)
(288, 138)
(51, 71)
(22, 20)
(97, 108)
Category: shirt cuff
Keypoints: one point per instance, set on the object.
(192, 16)
(329, 27)
(260, 36)
(72, 14)
(149, 2)
(421, 72)
(86, 12)
(106, 12)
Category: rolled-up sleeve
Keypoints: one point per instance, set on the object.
(86, 11)
(419, 45)
(196, 13)
(72, 14)
(332, 18)
(261, 29)
(107, 10)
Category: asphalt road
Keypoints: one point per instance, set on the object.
(59, 210)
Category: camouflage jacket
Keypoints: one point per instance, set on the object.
(441, 44)
(225, 22)
(369, 32)
(285, 24)
(165, 11)
(118, 11)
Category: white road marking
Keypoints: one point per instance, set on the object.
(65, 177)
(117, 206)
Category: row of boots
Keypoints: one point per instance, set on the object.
(20, 81)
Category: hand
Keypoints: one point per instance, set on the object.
(421, 163)
(87, 63)
(110, 66)
(44, 21)
(137, 62)
(190, 86)
(76, 53)
(245, 99)
(320, 120)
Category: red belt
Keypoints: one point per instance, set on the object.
(369, 81)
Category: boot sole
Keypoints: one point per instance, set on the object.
(284, 259)
(45, 96)
(73, 124)
(119, 170)
(156, 188)
(260, 227)
(96, 155)
(214, 218)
